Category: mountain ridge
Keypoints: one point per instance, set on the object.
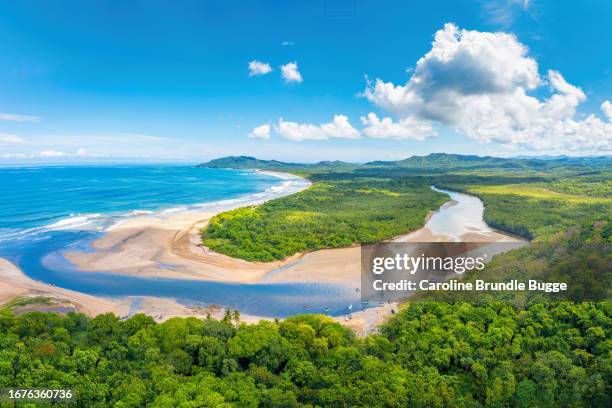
(430, 161)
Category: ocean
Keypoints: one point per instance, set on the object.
(48, 210)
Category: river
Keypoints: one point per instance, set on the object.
(46, 263)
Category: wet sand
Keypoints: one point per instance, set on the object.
(14, 283)
(170, 247)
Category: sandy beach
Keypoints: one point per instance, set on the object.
(14, 283)
(146, 246)
(169, 246)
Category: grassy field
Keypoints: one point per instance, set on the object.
(539, 191)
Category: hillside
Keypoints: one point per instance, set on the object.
(350, 204)
(248, 162)
(433, 161)
(444, 160)
(245, 162)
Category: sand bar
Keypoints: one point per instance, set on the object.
(169, 246)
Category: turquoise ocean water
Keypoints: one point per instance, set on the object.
(48, 210)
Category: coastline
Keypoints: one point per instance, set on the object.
(162, 225)
(147, 246)
(144, 246)
(14, 284)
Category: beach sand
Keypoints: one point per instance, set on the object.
(138, 247)
(170, 246)
(14, 283)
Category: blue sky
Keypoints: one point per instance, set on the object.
(169, 81)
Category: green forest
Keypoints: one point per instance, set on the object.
(437, 351)
(431, 354)
(330, 214)
(377, 201)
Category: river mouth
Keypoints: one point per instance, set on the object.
(44, 261)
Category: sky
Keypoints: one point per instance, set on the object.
(355, 80)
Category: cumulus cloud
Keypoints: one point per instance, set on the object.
(407, 128)
(18, 118)
(290, 72)
(479, 84)
(10, 140)
(260, 132)
(259, 68)
(339, 128)
(606, 107)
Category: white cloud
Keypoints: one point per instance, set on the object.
(338, 128)
(45, 154)
(260, 132)
(51, 154)
(290, 72)
(259, 68)
(17, 156)
(82, 145)
(478, 83)
(10, 140)
(407, 128)
(287, 43)
(77, 140)
(505, 12)
(18, 118)
(606, 107)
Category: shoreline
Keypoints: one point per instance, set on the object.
(138, 246)
(14, 284)
(146, 245)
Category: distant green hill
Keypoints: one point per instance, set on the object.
(444, 160)
(245, 162)
(436, 161)
(248, 162)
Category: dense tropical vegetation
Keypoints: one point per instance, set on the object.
(431, 354)
(330, 214)
(538, 207)
(379, 200)
(526, 350)
(580, 256)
